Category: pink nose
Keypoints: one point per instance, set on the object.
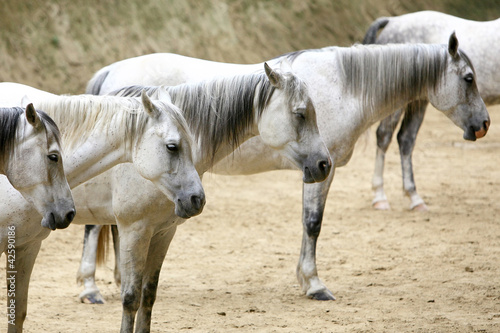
(482, 132)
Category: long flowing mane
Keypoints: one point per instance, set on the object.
(385, 74)
(79, 115)
(12, 127)
(221, 110)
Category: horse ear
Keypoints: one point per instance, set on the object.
(32, 116)
(164, 95)
(274, 77)
(285, 66)
(149, 107)
(25, 101)
(453, 45)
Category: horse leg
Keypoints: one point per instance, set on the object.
(18, 278)
(134, 244)
(86, 271)
(414, 116)
(157, 251)
(116, 247)
(313, 206)
(385, 131)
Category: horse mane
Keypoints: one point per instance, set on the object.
(220, 111)
(386, 74)
(11, 129)
(79, 115)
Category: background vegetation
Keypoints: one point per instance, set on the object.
(57, 45)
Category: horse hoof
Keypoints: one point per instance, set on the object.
(382, 205)
(420, 208)
(92, 299)
(324, 295)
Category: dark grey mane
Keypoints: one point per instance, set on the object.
(218, 111)
(10, 124)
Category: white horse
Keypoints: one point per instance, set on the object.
(98, 133)
(223, 112)
(30, 158)
(352, 88)
(481, 42)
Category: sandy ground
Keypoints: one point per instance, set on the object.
(233, 268)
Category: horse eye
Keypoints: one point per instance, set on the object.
(300, 115)
(172, 147)
(53, 157)
(469, 78)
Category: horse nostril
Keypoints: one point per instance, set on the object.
(486, 124)
(197, 202)
(323, 166)
(71, 215)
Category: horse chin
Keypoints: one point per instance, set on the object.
(470, 134)
(307, 176)
(49, 221)
(181, 213)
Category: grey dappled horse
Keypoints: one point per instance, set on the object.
(481, 42)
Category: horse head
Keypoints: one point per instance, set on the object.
(36, 169)
(288, 125)
(457, 94)
(164, 155)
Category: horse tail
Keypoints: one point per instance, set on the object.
(102, 245)
(371, 34)
(95, 84)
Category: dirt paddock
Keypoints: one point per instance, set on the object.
(233, 268)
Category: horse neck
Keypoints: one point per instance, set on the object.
(96, 153)
(223, 118)
(93, 157)
(204, 161)
(389, 77)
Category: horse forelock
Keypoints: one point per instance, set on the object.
(50, 126)
(12, 126)
(467, 60)
(387, 74)
(175, 114)
(78, 116)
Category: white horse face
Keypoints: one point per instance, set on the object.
(37, 173)
(458, 97)
(164, 156)
(288, 124)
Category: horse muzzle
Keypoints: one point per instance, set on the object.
(190, 207)
(318, 171)
(52, 220)
(482, 132)
(472, 133)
